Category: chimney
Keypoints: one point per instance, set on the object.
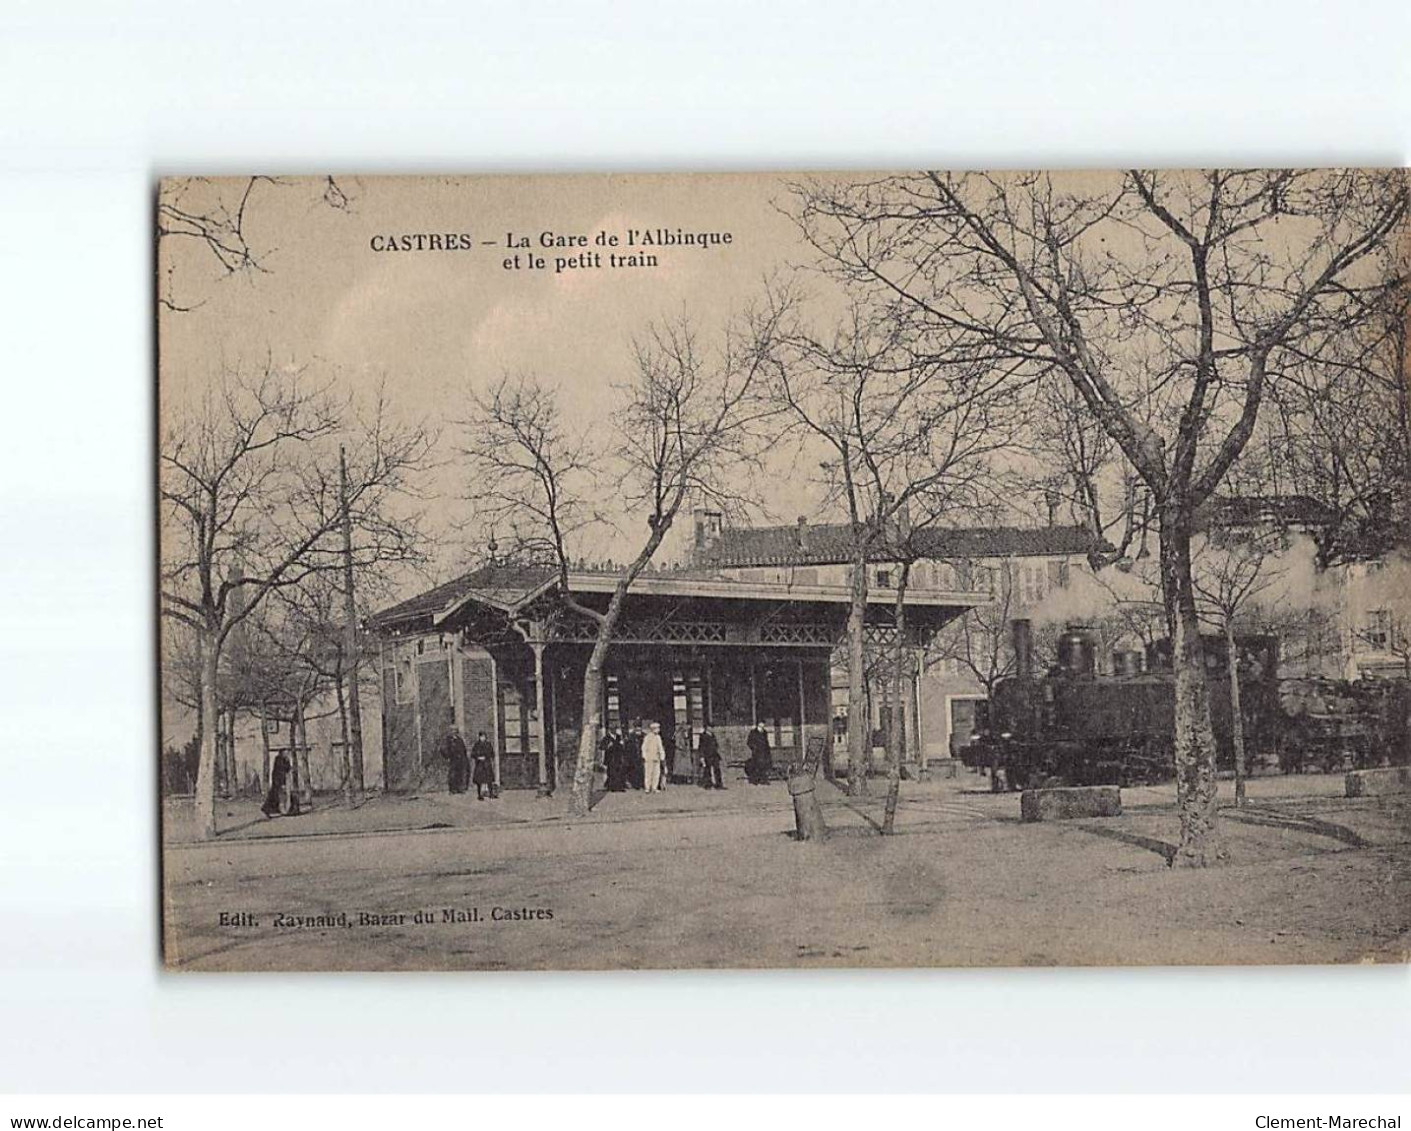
(801, 533)
(1023, 648)
(708, 525)
(884, 505)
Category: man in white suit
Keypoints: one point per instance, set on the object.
(653, 758)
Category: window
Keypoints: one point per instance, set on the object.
(614, 698)
(402, 678)
(1377, 631)
(884, 578)
(520, 728)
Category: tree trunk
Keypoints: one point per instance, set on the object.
(859, 719)
(264, 745)
(580, 799)
(222, 756)
(352, 654)
(347, 770)
(1236, 718)
(201, 716)
(897, 727)
(1194, 736)
(300, 786)
(206, 764)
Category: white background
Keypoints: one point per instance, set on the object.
(97, 100)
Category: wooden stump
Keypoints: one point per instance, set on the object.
(808, 813)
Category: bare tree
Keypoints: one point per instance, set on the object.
(212, 214)
(1230, 574)
(895, 428)
(1081, 470)
(685, 422)
(1168, 300)
(303, 634)
(1340, 433)
(251, 504)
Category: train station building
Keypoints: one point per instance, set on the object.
(498, 650)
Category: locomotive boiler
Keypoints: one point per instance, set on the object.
(1071, 725)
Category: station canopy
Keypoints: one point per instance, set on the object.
(663, 607)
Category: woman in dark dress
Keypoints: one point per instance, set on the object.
(278, 779)
(482, 759)
(761, 761)
(615, 759)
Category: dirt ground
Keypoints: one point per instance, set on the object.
(696, 879)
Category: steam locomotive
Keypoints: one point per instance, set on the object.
(1072, 726)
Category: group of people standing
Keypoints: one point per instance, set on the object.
(635, 759)
(476, 766)
(638, 759)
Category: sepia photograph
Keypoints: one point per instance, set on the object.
(699, 571)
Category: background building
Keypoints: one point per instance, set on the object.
(1017, 570)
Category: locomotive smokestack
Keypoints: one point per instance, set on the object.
(1023, 648)
(1077, 652)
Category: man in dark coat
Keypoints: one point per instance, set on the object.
(453, 750)
(761, 761)
(482, 757)
(636, 770)
(615, 758)
(278, 779)
(709, 751)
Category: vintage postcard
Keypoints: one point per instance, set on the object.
(852, 569)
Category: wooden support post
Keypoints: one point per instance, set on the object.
(495, 715)
(915, 732)
(803, 725)
(538, 647)
(416, 720)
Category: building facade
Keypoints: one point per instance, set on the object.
(499, 650)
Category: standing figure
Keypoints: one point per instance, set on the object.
(278, 786)
(636, 777)
(653, 758)
(482, 773)
(453, 750)
(709, 750)
(761, 761)
(615, 758)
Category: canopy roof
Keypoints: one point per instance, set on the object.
(518, 592)
(805, 544)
